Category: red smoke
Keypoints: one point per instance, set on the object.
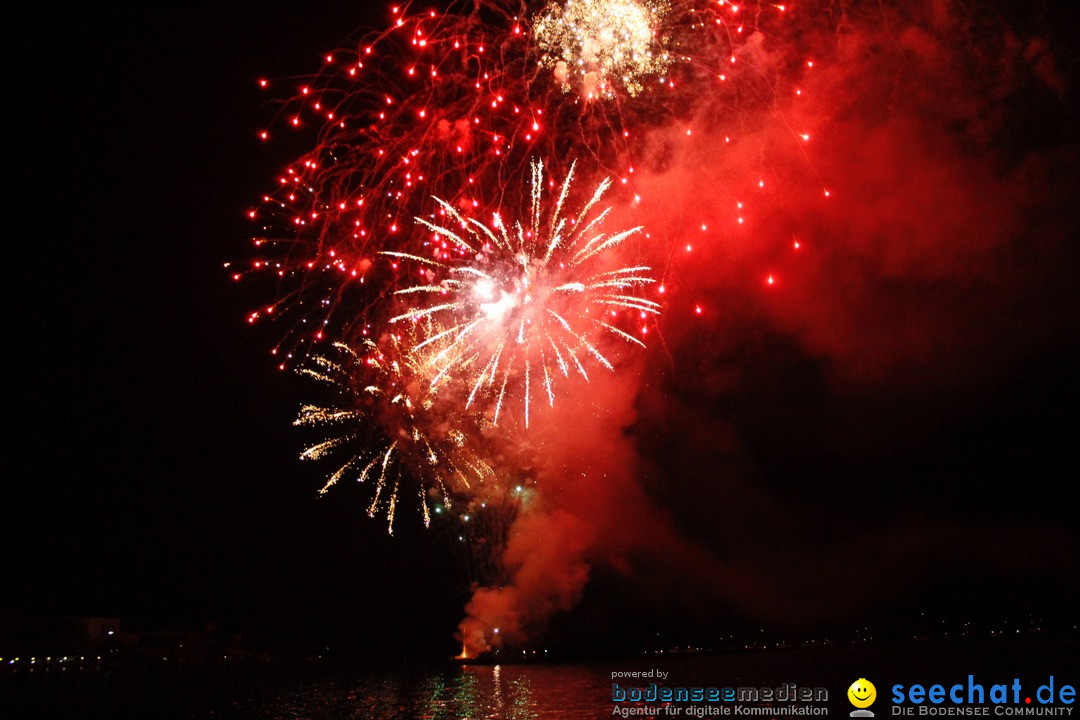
(919, 242)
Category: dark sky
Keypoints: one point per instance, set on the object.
(152, 469)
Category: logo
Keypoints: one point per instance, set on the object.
(975, 698)
(862, 694)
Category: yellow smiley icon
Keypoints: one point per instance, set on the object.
(862, 693)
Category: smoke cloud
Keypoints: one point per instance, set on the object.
(914, 248)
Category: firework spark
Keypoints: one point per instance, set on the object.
(390, 429)
(524, 304)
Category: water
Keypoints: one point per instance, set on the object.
(276, 691)
(516, 692)
(244, 691)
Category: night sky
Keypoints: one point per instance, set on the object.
(875, 444)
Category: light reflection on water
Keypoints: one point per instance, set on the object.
(281, 691)
(500, 692)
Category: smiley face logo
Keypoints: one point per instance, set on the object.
(862, 693)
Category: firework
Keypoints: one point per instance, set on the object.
(599, 46)
(527, 303)
(450, 321)
(455, 105)
(388, 431)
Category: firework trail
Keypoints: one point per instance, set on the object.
(525, 303)
(388, 429)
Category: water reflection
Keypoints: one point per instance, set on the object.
(460, 693)
(479, 692)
